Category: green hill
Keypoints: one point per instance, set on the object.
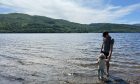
(136, 24)
(23, 23)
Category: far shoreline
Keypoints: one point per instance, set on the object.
(59, 32)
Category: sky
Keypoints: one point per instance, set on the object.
(79, 11)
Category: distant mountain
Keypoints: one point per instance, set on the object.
(115, 27)
(23, 23)
(137, 24)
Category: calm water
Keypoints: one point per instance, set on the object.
(65, 58)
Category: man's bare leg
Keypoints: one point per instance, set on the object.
(107, 66)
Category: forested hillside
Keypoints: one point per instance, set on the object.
(23, 23)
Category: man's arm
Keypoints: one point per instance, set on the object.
(101, 47)
(110, 52)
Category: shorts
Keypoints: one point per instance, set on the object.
(105, 53)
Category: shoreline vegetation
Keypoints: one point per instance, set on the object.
(23, 23)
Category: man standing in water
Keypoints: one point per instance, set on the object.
(107, 48)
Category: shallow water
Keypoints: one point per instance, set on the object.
(65, 58)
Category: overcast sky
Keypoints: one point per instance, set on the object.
(80, 11)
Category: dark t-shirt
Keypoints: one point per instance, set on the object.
(106, 44)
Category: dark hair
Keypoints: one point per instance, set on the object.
(105, 33)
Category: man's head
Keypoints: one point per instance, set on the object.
(105, 34)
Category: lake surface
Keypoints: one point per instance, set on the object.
(65, 58)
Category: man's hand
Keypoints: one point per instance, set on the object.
(109, 57)
(107, 60)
